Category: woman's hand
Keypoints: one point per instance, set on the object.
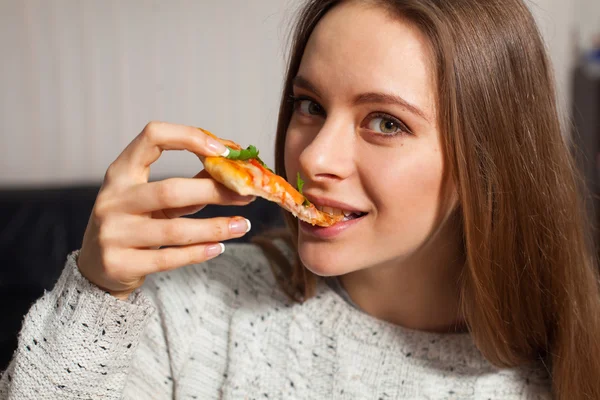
(132, 218)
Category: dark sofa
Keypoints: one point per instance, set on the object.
(39, 227)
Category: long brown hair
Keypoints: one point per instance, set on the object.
(530, 287)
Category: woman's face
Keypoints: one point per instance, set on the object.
(364, 138)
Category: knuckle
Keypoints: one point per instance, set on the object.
(107, 232)
(101, 208)
(99, 215)
(197, 141)
(166, 193)
(162, 261)
(216, 193)
(110, 173)
(110, 264)
(104, 237)
(195, 255)
(220, 230)
(173, 234)
(152, 130)
(104, 208)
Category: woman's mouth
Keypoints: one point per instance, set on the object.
(348, 215)
(351, 219)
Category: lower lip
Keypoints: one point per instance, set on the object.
(330, 231)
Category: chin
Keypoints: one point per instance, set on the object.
(327, 259)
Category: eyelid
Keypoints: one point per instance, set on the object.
(297, 99)
(302, 97)
(403, 128)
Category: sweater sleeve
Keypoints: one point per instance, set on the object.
(78, 342)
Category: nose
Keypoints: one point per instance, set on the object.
(330, 155)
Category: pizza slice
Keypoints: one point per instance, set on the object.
(244, 172)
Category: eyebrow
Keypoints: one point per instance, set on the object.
(365, 98)
(303, 83)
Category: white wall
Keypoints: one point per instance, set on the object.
(80, 78)
(588, 20)
(556, 19)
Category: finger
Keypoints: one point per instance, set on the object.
(146, 262)
(176, 212)
(144, 233)
(170, 213)
(156, 137)
(178, 193)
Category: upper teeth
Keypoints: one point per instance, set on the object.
(334, 211)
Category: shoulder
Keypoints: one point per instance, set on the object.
(522, 383)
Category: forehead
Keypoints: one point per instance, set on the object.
(360, 47)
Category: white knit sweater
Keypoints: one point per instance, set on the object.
(223, 329)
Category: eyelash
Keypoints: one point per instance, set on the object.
(403, 128)
(296, 100)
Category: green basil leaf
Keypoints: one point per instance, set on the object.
(299, 183)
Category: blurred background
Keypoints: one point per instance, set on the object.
(81, 78)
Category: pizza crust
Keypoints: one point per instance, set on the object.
(231, 174)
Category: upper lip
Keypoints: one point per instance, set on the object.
(325, 202)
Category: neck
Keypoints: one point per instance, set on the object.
(421, 292)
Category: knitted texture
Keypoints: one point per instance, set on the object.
(223, 329)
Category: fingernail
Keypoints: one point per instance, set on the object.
(240, 226)
(214, 250)
(217, 147)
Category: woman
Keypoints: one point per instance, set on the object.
(468, 273)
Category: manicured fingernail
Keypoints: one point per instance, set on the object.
(217, 147)
(241, 225)
(214, 250)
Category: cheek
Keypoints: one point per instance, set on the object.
(296, 140)
(407, 192)
(291, 154)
